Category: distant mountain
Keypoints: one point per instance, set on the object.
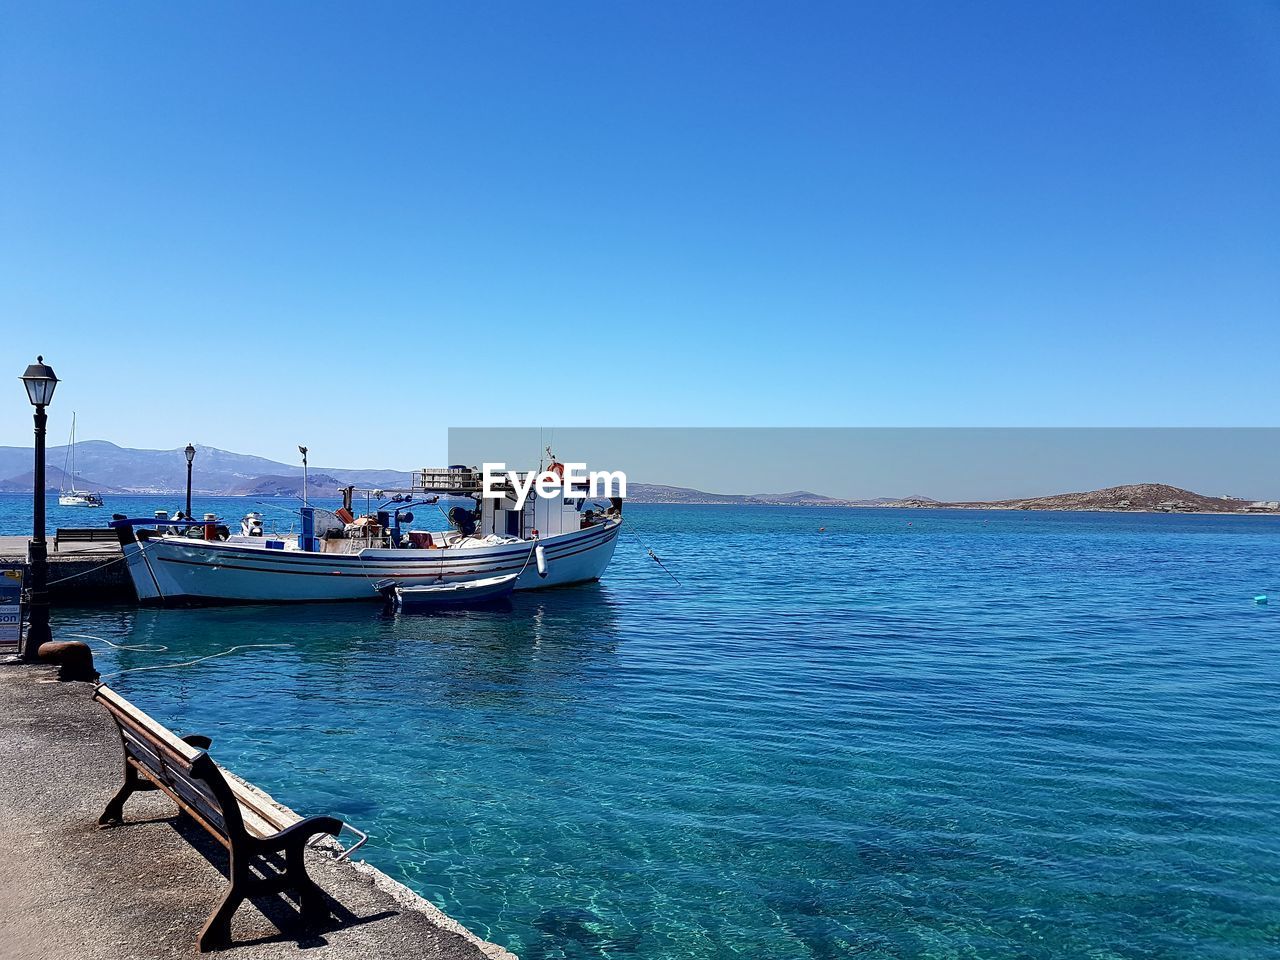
(796, 496)
(320, 486)
(108, 468)
(104, 467)
(662, 493)
(54, 480)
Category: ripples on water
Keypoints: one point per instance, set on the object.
(919, 734)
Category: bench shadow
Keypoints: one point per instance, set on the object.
(281, 909)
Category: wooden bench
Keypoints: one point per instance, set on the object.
(242, 820)
(84, 535)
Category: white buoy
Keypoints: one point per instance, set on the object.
(540, 557)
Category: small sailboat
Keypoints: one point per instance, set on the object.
(483, 592)
(74, 497)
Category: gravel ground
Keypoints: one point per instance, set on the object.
(71, 891)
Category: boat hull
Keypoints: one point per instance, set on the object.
(486, 592)
(174, 569)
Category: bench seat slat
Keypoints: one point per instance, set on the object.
(253, 804)
(256, 826)
(215, 826)
(130, 715)
(198, 795)
(194, 792)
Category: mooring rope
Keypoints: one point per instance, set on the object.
(136, 647)
(161, 648)
(83, 573)
(655, 559)
(192, 663)
(635, 532)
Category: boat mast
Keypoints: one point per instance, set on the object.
(69, 458)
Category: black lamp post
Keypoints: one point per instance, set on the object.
(191, 455)
(40, 382)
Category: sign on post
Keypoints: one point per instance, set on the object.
(10, 610)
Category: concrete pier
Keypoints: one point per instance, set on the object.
(79, 573)
(70, 891)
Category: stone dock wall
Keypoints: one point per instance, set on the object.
(82, 580)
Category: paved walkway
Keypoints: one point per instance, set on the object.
(15, 548)
(69, 891)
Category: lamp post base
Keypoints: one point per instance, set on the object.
(37, 636)
(38, 631)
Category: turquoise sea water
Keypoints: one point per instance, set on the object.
(918, 734)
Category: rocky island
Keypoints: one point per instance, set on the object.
(1133, 497)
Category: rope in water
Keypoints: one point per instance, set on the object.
(192, 663)
(136, 647)
(160, 648)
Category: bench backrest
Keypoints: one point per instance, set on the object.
(84, 533)
(186, 773)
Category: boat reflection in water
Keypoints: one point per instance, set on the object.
(279, 662)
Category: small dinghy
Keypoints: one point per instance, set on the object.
(464, 593)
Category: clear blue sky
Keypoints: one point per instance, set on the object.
(352, 226)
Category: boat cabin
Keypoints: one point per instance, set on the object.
(539, 517)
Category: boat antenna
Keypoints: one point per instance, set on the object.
(303, 450)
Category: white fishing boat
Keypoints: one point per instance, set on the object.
(546, 542)
(74, 497)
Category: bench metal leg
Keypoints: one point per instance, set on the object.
(312, 903)
(217, 929)
(114, 812)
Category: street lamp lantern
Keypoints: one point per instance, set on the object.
(40, 382)
(191, 455)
